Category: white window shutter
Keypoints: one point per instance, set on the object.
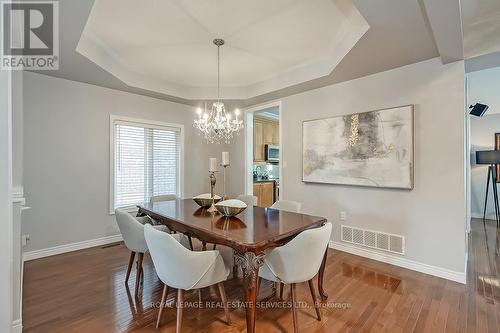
(146, 162)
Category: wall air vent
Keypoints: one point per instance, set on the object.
(374, 239)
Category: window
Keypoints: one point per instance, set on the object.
(146, 161)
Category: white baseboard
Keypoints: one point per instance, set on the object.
(399, 261)
(17, 326)
(52, 251)
(349, 248)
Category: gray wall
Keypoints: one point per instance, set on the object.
(66, 156)
(482, 137)
(432, 216)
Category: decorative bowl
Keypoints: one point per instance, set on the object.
(230, 207)
(205, 200)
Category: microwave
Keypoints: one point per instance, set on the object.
(272, 153)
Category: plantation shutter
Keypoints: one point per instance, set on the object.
(146, 162)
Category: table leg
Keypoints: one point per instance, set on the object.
(322, 294)
(250, 264)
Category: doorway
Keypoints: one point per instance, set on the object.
(482, 134)
(264, 153)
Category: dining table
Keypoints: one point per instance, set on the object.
(250, 234)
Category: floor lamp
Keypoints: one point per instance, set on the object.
(490, 158)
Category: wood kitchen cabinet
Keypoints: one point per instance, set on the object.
(265, 131)
(276, 133)
(264, 193)
(269, 132)
(258, 141)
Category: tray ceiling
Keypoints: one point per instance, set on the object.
(166, 46)
(481, 27)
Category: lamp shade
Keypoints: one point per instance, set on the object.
(488, 157)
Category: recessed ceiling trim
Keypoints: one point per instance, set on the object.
(445, 20)
(346, 40)
(350, 28)
(98, 52)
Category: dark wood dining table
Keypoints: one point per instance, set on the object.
(250, 234)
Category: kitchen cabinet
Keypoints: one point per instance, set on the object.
(265, 193)
(265, 131)
(268, 132)
(258, 141)
(276, 133)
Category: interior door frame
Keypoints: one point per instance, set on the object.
(249, 113)
(6, 213)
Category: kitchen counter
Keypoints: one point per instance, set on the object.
(263, 180)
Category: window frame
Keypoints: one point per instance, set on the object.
(140, 122)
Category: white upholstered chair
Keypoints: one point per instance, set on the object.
(132, 230)
(168, 197)
(226, 252)
(250, 200)
(287, 205)
(178, 267)
(291, 264)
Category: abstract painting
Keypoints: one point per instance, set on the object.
(366, 149)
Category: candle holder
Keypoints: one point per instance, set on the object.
(213, 180)
(224, 195)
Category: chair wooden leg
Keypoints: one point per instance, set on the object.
(294, 309)
(180, 300)
(222, 292)
(316, 304)
(282, 286)
(162, 304)
(141, 275)
(130, 264)
(138, 274)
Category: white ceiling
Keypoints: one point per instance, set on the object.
(272, 113)
(401, 32)
(481, 27)
(166, 45)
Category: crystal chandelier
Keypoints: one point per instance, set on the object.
(217, 125)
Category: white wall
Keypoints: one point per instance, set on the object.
(17, 129)
(484, 87)
(5, 202)
(482, 137)
(66, 156)
(432, 216)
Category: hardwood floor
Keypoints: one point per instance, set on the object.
(84, 291)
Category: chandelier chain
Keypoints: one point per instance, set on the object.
(218, 73)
